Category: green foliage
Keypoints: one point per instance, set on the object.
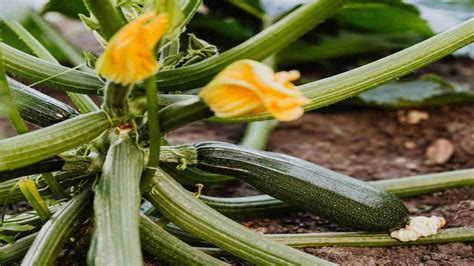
(380, 17)
(66, 7)
(417, 93)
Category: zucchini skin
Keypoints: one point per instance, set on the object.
(52, 164)
(347, 201)
(38, 108)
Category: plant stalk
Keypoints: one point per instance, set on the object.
(348, 84)
(52, 236)
(158, 242)
(83, 102)
(109, 16)
(16, 250)
(176, 204)
(44, 143)
(117, 205)
(154, 133)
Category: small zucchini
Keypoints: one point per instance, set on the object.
(38, 108)
(339, 198)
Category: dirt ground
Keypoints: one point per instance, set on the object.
(369, 144)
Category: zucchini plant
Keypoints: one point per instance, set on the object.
(85, 172)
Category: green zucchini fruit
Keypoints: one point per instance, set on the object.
(38, 108)
(251, 207)
(341, 199)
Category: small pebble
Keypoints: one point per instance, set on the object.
(439, 152)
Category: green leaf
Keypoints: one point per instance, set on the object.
(442, 15)
(383, 17)
(417, 93)
(7, 239)
(11, 227)
(66, 7)
(344, 44)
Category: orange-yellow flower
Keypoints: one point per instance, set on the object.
(129, 56)
(250, 87)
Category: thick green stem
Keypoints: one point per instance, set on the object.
(370, 240)
(80, 164)
(44, 143)
(337, 88)
(116, 100)
(83, 102)
(52, 236)
(16, 250)
(344, 239)
(110, 17)
(257, 133)
(158, 242)
(117, 205)
(265, 205)
(69, 50)
(40, 71)
(195, 217)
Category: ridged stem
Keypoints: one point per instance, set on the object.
(176, 204)
(83, 102)
(69, 50)
(117, 205)
(339, 87)
(158, 242)
(39, 71)
(180, 154)
(16, 250)
(344, 239)
(52, 236)
(38, 145)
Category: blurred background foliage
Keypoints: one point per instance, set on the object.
(362, 31)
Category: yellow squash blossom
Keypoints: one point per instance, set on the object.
(250, 87)
(129, 56)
